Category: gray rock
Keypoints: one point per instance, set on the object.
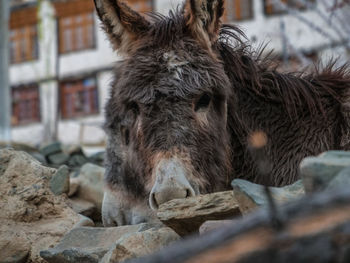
(213, 224)
(84, 221)
(39, 157)
(17, 146)
(81, 206)
(97, 158)
(342, 179)
(77, 160)
(88, 244)
(185, 216)
(91, 184)
(251, 196)
(59, 182)
(317, 172)
(74, 184)
(58, 158)
(72, 149)
(50, 149)
(140, 244)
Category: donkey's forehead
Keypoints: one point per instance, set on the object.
(173, 60)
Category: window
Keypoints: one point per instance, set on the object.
(76, 32)
(141, 5)
(236, 10)
(23, 35)
(75, 25)
(274, 7)
(25, 104)
(79, 98)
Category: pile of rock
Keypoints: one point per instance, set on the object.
(53, 215)
(308, 221)
(56, 154)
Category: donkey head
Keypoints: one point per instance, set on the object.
(166, 119)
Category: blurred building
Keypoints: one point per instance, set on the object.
(61, 62)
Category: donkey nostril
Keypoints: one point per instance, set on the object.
(189, 193)
(154, 201)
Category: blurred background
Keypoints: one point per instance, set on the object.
(56, 62)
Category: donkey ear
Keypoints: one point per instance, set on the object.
(203, 19)
(122, 25)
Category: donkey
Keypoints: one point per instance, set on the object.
(185, 99)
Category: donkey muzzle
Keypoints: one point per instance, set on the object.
(171, 183)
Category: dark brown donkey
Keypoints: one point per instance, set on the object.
(185, 98)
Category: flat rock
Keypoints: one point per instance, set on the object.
(74, 184)
(58, 158)
(317, 172)
(28, 208)
(185, 216)
(97, 158)
(59, 182)
(84, 221)
(250, 196)
(91, 184)
(39, 157)
(18, 146)
(88, 244)
(81, 206)
(51, 148)
(140, 244)
(342, 179)
(213, 224)
(77, 160)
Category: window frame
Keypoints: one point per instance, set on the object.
(282, 12)
(227, 18)
(74, 8)
(62, 101)
(15, 111)
(129, 3)
(24, 18)
(94, 37)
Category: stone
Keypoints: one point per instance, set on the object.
(51, 148)
(317, 172)
(81, 206)
(88, 244)
(59, 182)
(72, 149)
(77, 160)
(74, 184)
(14, 250)
(342, 179)
(39, 157)
(211, 225)
(97, 158)
(17, 146)
(140, 244)
(91, 184)
(185, 216)
(58, 158)
(84, 221)
(28, 208)
(250, 196)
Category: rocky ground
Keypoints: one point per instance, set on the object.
(51, 199)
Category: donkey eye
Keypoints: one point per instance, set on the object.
(203, 102)
(126, 135)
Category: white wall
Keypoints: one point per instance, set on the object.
(88, 129)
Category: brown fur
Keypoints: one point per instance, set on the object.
(159, 104)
